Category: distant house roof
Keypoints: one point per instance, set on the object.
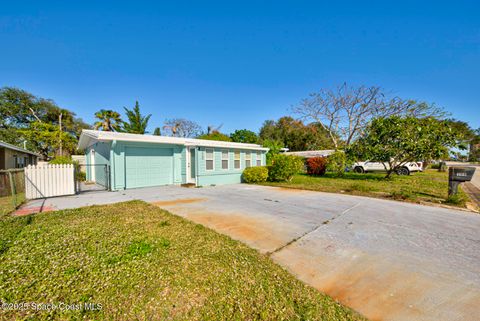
(18, 149)
(312, 153)
(88, 137)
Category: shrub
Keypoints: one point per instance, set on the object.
(62, 160)
(337, 162)
(81, 176)
(435, 166)
(316, 166)
(284, 167)
(59, 160)
(256, 174)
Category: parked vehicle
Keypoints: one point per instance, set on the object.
(369, 166)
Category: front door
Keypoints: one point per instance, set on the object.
(191, 165)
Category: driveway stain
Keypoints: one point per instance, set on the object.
(178, 201)
(378, 288)
(257, 232)
(264, 234)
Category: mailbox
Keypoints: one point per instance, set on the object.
(457, 175)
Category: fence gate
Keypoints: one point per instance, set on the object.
(95, 178)
(49, 180)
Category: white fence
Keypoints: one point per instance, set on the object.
(49, 180)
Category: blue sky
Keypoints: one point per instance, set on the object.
(238, 64)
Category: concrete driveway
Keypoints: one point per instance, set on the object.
(388, 260)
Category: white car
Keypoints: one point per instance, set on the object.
(368, 166)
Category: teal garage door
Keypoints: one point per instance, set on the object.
(148, 166)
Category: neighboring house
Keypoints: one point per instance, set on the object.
(12, 156)
(312, 153)
(132, 160)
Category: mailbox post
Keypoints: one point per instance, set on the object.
(457, 175)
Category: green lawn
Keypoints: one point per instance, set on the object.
(141, 263)
(429, 186)
(6, 203)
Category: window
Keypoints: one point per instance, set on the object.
(19, 161)
(248, 159)
(209, 159)
(236, 162)
(259, 159)
(225, 159)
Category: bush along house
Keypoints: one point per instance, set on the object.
(121, 161)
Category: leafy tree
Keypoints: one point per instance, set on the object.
(108, 120)
(244, 136)
(295, 135)
(22, 112)
(180, 127)
(47, 138)
(474, 153)
(466, 135)
(274, 147)
(337, 162)
(137, 123)
(215, 136)
(397, 140)
(157, 132)
(345, 112)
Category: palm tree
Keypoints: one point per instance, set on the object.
(137, 124)
(108, 120)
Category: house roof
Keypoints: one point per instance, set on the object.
(89, 137)
(312, 153)
(18, 149)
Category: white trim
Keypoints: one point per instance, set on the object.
(96, 135)
(92, 167)
(213, 159)
(249, 159)
(225, 159)
(188, 157)
(239, 159)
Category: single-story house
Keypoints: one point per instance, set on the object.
(12, 156)
(131, 160)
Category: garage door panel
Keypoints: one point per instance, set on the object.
(148, 166)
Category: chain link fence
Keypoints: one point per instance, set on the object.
(12, 190)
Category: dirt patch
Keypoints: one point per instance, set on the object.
(378, 288)
(474, 193)
(33, 210)
(179, 201)
(291, 190)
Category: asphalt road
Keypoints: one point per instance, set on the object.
(388, 260)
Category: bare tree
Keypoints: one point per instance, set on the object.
(345, 111)
(180, 127)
